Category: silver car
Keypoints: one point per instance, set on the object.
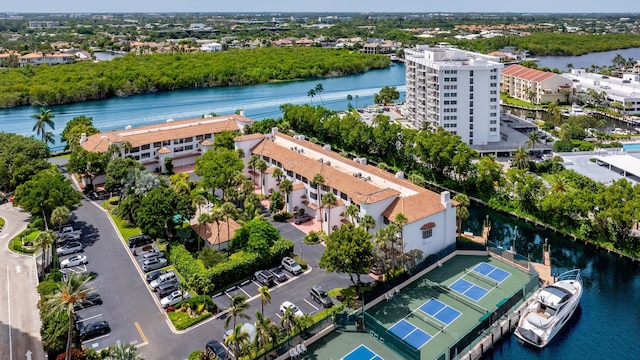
(69, 248)
(153, 264)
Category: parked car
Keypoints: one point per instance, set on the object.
(294, 309)
(152, 255)
(321, 296)
(90, 300)
(69, 248)
(138, 240)
(299, 219)
(174, 298)
(216, 350)
(94, 329)
(153, 264)
(168, 277)
(291, 266)
(69, 237)
(167, 288)
(278, 274)
(265, 278)
(154, 275)
(75, 260)
(67, 230)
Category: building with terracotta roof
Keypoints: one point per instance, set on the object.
(181, 140)
(217, 240)
(456, 90)
(39, 58)
(431, 219)
(534, 85)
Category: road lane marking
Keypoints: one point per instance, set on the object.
(18, 269)
(144, 338)
(9, 313)
(4, 236)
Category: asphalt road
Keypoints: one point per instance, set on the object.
(19, 318)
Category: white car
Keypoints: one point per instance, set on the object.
(291, 266)
(174, 298)
(74, 261)
(294, 309)
(69, 248)
(153, 264)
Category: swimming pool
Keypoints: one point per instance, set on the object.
(632, 147)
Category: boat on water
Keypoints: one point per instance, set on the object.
(576, 110)
(552, 307)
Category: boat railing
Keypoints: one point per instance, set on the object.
(570, 275)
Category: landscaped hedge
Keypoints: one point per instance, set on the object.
(232, 270)
(182, 320)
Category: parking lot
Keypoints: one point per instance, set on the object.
(582, 164)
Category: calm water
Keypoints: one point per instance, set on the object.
(607, 325)
(605, 328)
(585, 61)
(258, 102)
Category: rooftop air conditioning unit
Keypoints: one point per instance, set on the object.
(328, 163)
(320, 160)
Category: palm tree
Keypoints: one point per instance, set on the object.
(237, 308)
(59, 216)
(368, 222)
(349, 98)
(237, 340)
(534, 139)
(265, 296)
(43, 120)
(72, 290)
(329, 200)
(227, 211)
(352, 212)
(462, 210)
(311, 93)
(44, 241)
(286, 187)
(288, 320)
(277, 174)
(124, 351)
(318, 181)
(261, 166)
(357, 97)
(253, 160)
(560, 184)
(266, 329)
(49, 138)
(520, 158)
(203, 219)
(319, 88)
(400, 220)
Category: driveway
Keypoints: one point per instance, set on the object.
(19, 318)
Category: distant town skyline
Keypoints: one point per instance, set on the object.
(357, 6)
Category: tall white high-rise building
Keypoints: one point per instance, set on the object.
(455, 89)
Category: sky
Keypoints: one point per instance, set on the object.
(238, 6)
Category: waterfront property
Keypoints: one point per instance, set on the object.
(622, 90)
(456, 90)
(534, 85)
(182, 140)
(430, 217)
(440, 313)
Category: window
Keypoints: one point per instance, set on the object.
(493, 114)
(470, 119)
(427, 233)
(493, 85)
(471, 81)
(145, 155)
(188, 147)
(494, 92)
(471, 96)
(492, 122)
(471, 134)
(178, 149)
(298, 177)
(135, 149)
(493, 107)
(137, 157)
(470, 88)
(471, 103)
(470, 141)
(304, 180)
(470, 126)
(494, 99)
(343, 196)
(335, 192)
(471, 73)
(207, 136)
(166, 143)
(199, 137)
(470, 111)
(494, 77)
(145, 147)
(157, 144)
(493, 129)
(189, 139)
(289, 173)
(313, 195)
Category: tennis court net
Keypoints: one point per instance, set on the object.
(421, 315)
(455, 295)
(479, 276)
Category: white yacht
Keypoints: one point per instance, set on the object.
(551, 309)
(576, 110)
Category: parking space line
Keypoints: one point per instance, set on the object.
(91, 317)
(313, 306)
(96, 338)
(256, 284)
(279, 317)
(246, 293)
(144, 338)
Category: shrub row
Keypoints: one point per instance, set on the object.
(182, 320)
(232, 270)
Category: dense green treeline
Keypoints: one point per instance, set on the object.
(135, 74)
(556, 44)
(562, 198)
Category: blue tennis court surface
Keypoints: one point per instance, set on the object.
(362, 353)
(472, 291)
(491, 272)
(444, 313)
(410, 334)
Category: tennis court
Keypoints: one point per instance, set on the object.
(472, 291)
(491, 272)
(410, 334)
(362, 353)
(437, 309)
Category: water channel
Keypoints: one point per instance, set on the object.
(609, 319)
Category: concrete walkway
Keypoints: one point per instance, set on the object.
(19, 319)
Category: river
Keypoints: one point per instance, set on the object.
(607, 325)
(603, 58)
(610, 317)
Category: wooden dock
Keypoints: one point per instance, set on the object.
(544, 269)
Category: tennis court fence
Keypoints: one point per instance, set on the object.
(379, 332)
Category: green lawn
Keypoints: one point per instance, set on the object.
(517, 102)
(126, 230)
